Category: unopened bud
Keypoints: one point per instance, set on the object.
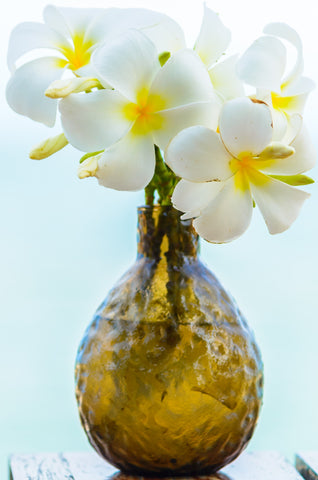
(63, 88)
(48, 147)
(276, 150)
(89, 167)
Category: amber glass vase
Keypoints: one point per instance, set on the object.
(168, 374)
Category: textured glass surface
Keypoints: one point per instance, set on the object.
(168, 375)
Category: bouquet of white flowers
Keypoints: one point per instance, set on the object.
(151, 113)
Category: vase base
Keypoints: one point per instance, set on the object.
(127, 476)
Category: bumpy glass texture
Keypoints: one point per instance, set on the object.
(168, 374)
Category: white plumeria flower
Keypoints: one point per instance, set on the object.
(211, 44)
(223, 173)
(263, 66)
(148, 105)
(73, 34)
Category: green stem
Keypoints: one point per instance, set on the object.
(163, 182)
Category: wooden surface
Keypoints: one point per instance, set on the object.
(307, 465)
(88, 466)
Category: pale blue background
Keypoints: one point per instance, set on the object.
(64, 242)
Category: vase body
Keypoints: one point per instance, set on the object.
(168, 374)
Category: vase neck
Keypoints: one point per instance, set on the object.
(162, 233)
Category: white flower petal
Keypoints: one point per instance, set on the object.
(164, 32)
(89, 71)
(176, 119)
(305, 155)
(94, 121)
(26, 37)
(245, 126)
(225, 80)
(279, 203)
(285, 127)
(70, 21)
(294, 126)
(197, 154)
(280, 124)
(300, 86)
(193, 197)
(92, 24)
(166, 35)
(263, 63)
(127, 165)
(25, 89)
(227, 216)
(183, 80)
(263, 94)
(282, 30)
(54, 18)
(213, 39)
(104, 25)
(129, 63)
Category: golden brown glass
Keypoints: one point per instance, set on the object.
(168, 375)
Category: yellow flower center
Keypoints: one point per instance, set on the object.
(78, 54)
(144, 113)
(245, 168)
(282, 103)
